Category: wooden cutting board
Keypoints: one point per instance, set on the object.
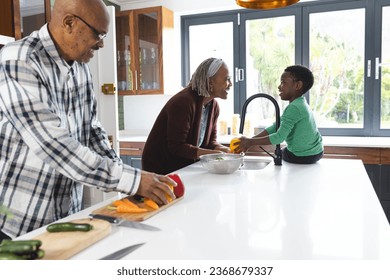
(63, 245)
(135, 217)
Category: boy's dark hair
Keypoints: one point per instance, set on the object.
(303, 74)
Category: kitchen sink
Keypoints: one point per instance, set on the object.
(255, 163)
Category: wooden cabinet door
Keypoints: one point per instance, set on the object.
(9, 20)
(386, 208)
(140, 54)
(374, 173)
(13, 13)
(148, 42)
(125, 53)
(385, 183)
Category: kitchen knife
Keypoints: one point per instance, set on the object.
(122, 252)
(123, 222)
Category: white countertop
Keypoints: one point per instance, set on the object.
(336, 141)
(133, 135)
(328, 210)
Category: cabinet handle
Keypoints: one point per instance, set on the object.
(136, 80)
(340, 156)
(132, 149)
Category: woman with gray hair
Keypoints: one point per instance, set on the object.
(186, 127)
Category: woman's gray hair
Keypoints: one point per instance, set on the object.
(200, 80)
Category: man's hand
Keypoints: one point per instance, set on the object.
(156, 187)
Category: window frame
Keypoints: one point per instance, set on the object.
(333, 7)
(203, 19)
(376, 37)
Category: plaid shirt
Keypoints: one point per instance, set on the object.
(51, 143)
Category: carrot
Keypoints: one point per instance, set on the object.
(128, 202)
(150, 203)
(123, 208)
(126, 206)
(118, 202)
(124, 201)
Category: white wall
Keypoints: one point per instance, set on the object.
(141, 111)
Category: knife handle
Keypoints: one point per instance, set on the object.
(110, 219)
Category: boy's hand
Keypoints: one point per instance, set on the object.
(244, 144)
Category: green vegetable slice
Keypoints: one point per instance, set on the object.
(65, 227)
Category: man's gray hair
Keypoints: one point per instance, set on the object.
(200, 80)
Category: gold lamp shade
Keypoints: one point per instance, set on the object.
(265, 4)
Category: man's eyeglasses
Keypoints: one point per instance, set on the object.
(99, 35)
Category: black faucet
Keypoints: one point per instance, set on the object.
(278, 151)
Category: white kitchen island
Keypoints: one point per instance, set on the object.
(327, 211)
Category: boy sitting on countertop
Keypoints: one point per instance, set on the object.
(297, 126)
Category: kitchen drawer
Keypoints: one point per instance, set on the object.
(134, 161)
(131, 148)
(367, 155)
(385, 156)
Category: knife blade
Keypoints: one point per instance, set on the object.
(117, 255)
(123, 222)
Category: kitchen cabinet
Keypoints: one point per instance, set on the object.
(386, 208)
(131, 153)
(374, 173)
(379, 175)
(367, 155)
(134, 161)
(385, 183)
(384, 189)
(9, 21)
(131, 148)
(19, 18)
(142, 39)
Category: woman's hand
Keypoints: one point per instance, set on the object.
(156, 187)
(223, 149)
(202, 152)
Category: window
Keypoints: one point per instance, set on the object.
(269, 46)
(337, 62)
(345, 43)
(384, 65)
(214, 36)
(211, 40)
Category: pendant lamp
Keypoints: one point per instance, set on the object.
(265, 4)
